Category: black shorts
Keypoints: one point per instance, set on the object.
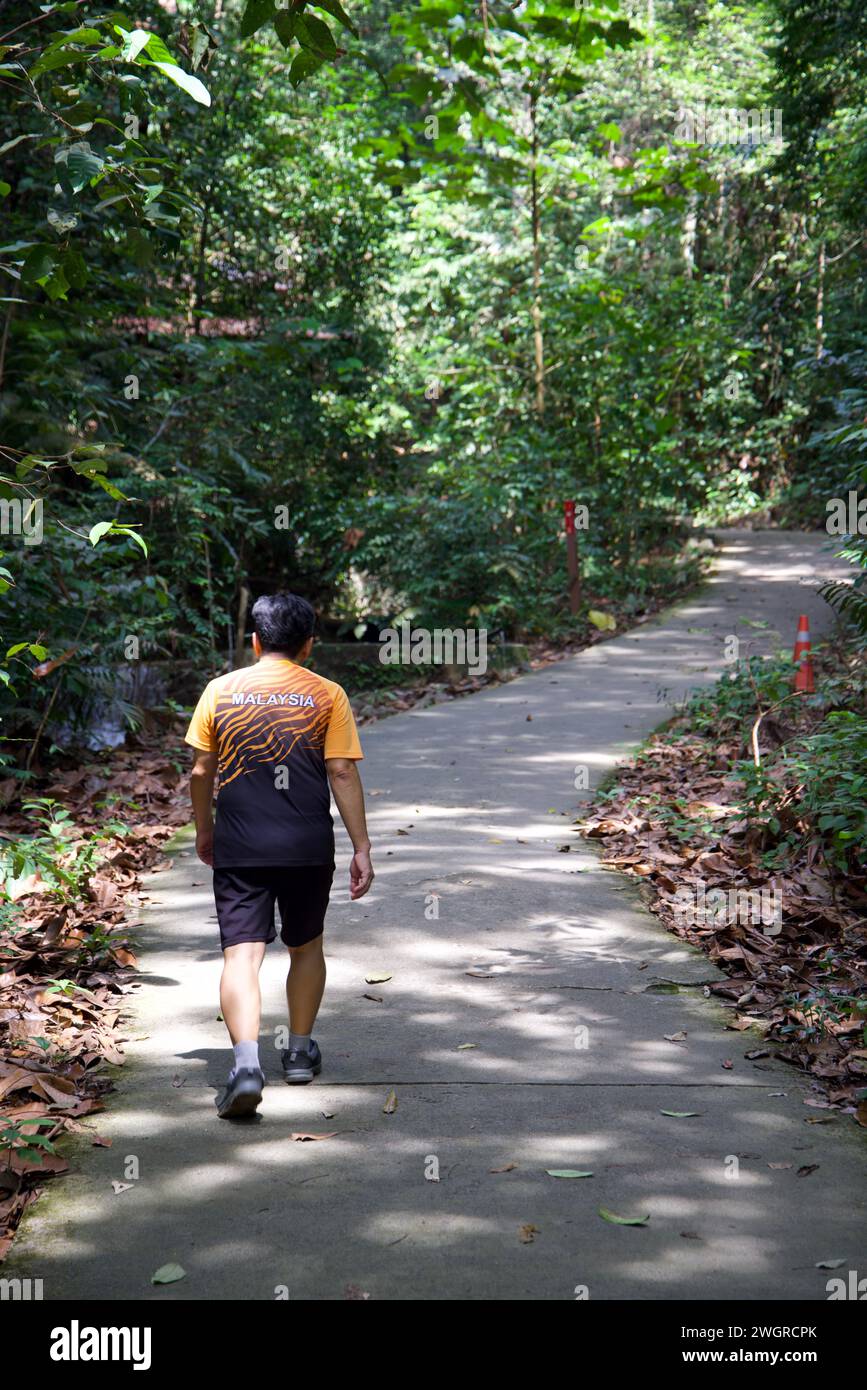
(245, 901)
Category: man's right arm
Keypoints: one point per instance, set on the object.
(202, 795)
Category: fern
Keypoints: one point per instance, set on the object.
(849, 601)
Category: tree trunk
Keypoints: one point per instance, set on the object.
(10, 311)
(689, 235)
(243, 603)
(538, 340)
(820, 301)
(199, 291)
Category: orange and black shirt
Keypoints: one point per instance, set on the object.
(273, 725)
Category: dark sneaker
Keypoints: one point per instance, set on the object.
(301, 1067)
(242, 1094)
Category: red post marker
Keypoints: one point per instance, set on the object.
(572, 557)
(802, 657)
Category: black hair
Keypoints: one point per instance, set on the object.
(283, 622)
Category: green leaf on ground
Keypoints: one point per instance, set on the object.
(623, 1220)
(603, 621)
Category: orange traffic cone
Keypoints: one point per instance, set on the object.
(802, 658)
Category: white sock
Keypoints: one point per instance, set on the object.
(246, 1055)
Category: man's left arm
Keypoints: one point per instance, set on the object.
(202, 780)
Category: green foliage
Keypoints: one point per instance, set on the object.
(831, 769)
(818, 781)
(825, 1006)
(409, 278)
(63, 860)
(24, 1139)
(840, 450)
(735, 702)
(850, 599)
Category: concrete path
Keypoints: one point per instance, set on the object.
(501, 949)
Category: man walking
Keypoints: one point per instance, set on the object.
(279, 735)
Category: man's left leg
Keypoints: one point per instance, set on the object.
(303, 902)
(305, 985)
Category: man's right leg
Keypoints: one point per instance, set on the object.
(240, 997)
(245, 910)
(240, 1003)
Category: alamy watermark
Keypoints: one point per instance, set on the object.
(77, 1343)
(405, 645)
(21, 518)
(846, 517)
(757, 907)
(850, 1288)
(729, 125)
(20, 1290)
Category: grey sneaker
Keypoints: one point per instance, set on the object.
(301, 1067)
(242, 1094)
